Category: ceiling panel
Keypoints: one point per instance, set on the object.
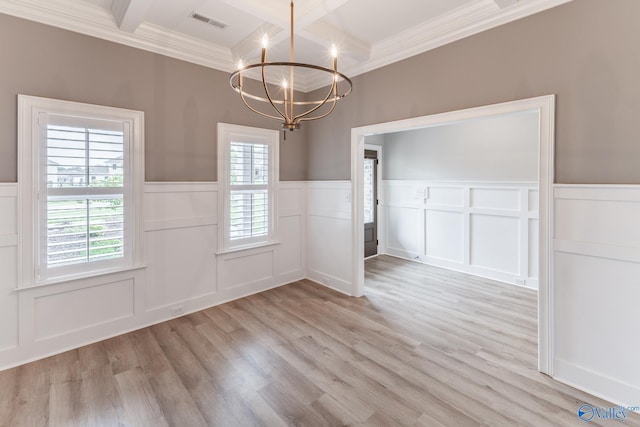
(106, 4)
(176, 16)
(373, 21)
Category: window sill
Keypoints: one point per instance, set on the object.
(248, 247)
(81, 276)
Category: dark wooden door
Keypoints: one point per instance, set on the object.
(370, 203)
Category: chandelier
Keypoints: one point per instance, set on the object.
(280, 101)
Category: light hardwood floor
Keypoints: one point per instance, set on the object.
(424, 347)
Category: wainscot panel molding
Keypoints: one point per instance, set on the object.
(180, 246)
(180, 205)
(187, 272)
(8, 266)
(329, 234)
(182, 273)
(596, 270)
(482, 228)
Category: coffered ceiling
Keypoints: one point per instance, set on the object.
(368, 33)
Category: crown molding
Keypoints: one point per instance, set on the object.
(85, 18)
(475, 18)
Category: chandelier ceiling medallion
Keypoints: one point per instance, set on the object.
(280, 101)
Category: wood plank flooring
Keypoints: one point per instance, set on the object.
(424, 347)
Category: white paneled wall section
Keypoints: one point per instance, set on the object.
(329, 234)
(487, 229)
(8, 267)
(183, 273)
(597, 289)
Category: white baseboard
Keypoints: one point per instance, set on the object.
(330, 282)
(17, 356)
(459, 267)
(610, 389)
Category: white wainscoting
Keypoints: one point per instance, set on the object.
(597, 289)
(8, 266)
(486, 229)
(180, 246)
(253, 270)
(182, 273)
(329, 234)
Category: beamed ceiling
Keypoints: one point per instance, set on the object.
(368, 33)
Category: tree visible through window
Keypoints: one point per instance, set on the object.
(84, 217)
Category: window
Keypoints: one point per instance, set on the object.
(247, 170)
(81, 168)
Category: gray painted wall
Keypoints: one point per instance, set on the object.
(584, 51)
(182, 102)
(498, 148)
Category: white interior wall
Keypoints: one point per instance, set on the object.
(183, 270)
(463, 195)
(183, 273)
(596, 289)
(597, 261)
(8, 267)
(329, 234)
(486, 229)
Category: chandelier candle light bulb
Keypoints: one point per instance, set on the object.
(265, 44)
(286, 109)
(334, 55)
(240, 67)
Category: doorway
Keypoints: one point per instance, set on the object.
(545, 108)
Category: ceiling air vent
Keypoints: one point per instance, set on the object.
(210, 21)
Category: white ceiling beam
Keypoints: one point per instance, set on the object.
(266, 11)
(249, 47)
(311, 26)
(315, 10)
(129, 14)
(328, 35)
(505, 3)
(305, 15)
(308, 24)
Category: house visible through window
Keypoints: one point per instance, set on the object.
(85, 217)
(249, 168)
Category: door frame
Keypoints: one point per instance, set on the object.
(545, 106)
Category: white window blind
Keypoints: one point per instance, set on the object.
(249, 190)
(85, 206)
(81, 171)
(248, 168)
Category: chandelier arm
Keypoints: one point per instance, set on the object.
(338, 97)
(297, 103)
(266, 91)
(291, 121)
(332, 89)
(255, 110)
(333, 106)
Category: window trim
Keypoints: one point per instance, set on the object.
(29, 163)
(227, 132)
